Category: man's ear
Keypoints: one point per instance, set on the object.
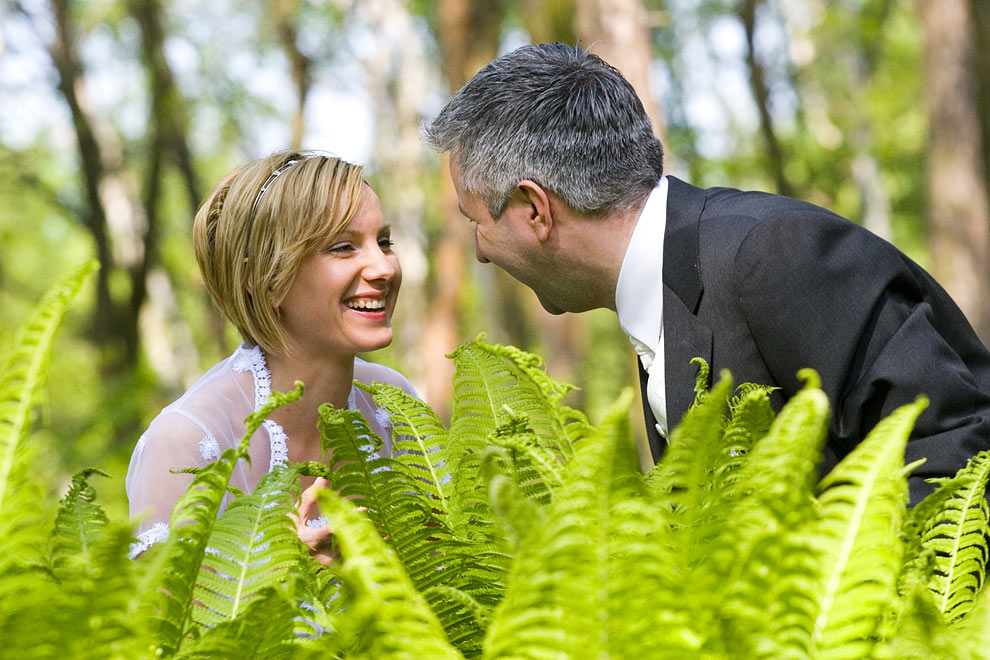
(539, 215)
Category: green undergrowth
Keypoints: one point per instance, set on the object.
(518, 531)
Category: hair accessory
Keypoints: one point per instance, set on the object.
(286, 165)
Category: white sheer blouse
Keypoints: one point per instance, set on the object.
(208, 419)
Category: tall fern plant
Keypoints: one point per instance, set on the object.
(519, 531)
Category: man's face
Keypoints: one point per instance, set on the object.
(510, 243)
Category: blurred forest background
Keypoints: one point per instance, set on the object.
(117, 117)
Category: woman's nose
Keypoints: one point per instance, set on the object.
(380, 265)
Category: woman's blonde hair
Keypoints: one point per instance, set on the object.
(259, 223)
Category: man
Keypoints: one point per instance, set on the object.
(554, 160)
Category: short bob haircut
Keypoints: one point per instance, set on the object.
(259, 223)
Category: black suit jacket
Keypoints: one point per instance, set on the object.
(764, 285)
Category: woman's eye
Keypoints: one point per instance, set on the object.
(385, 244)
(340, 248)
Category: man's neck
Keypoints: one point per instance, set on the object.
(600, 246)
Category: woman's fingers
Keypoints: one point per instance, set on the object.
(308, 498)
(317, 537)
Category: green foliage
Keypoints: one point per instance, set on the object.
(523, 532)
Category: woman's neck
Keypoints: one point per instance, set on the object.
(326, 379)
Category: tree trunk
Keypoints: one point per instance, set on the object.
(398, 77)
(468, 35)
(761, 94)
(114, 325)
(958, 205)
(618, 31)
(299, 64)
(168, 129)
(980, 13)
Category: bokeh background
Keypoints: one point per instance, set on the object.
(117, 117)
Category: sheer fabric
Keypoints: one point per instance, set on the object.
(209, 418)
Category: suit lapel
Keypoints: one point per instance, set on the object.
(685, 337)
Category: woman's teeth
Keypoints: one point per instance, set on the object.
(372, 305)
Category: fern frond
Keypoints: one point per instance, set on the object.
(403, 513)
(394, 620)
(863, 501)
(781, 470)
(23, 371)
(253, 546)
(22, 376)
(193, 520)
(682, 479)
(263, 631)
(750, 419)
(536, 470)
(80, 522)
(419, 438)
(958, 535)
(573, 575)
(396, 502)
(86, 610)
(971, 635)
(758, 568)
(534, 367)
(492, 384)
(919, 632)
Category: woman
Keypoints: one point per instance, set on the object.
(295, 251)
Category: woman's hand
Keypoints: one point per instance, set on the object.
(317, 539)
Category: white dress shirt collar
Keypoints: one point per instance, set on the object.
(639, 291)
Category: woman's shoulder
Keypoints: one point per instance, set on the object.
(372, 372)
(225, 392)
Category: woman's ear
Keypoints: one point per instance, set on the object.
(539, 214)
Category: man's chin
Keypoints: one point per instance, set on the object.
(550, 307)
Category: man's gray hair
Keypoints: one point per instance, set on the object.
(559, 116)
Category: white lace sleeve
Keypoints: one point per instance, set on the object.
(173, 441)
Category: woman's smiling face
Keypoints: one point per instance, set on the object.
(342, 298)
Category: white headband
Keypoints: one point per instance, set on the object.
(286, 165)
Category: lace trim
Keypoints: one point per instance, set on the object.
(209, 448)
(156, 534)
(315, 523)
(251, 357)
(383, 418)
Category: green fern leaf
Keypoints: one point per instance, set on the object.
(419, 439)
(863, 502)
(683, 479)
(958, 535)
(573, 575)
(494, 383)
(22, 376)
(398, 503)
(80, 522)
(919, 632)
(193, 520)
(757, 568)
(263, 631)
(971, 635)
(781, 470)
(387, 617)
(253, 546)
